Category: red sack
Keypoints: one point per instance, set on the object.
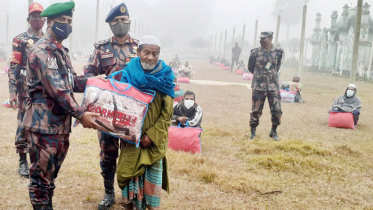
(341, 120)
(121, 106)
(239, 72)
(185, 139)
(183, 80)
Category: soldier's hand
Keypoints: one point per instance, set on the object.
(88, 120)
(101, 77)
(13, 101)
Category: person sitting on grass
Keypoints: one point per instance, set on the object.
(186, 70)
(348, 102)
(188, 110)
(295, 86)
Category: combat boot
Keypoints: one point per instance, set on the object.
(39, 206)
(253, 132)
(23, 169)
(273, 133)
(109, 198)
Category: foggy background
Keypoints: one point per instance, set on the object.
(178, 22)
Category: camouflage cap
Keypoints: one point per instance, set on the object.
(58, 9)
(266, 34)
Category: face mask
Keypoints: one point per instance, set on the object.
(188, 103)
(350, 93)
(61, 30)
(37, 24)
(120, 29)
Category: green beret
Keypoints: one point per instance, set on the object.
(59, 9)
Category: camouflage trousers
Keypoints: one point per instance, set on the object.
(258, 99)
(108, 155)
(21, 143)
(47, 153)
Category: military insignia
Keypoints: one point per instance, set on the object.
(52, 63)
(30, 42)
(122, 9)
(16, 57)
(109, 55)
(107, 50)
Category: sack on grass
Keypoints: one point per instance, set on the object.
(341, 120)
(185, 138)
(121, 106)
(287, 96)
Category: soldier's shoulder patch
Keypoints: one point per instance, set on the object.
(102, 42)
(16, 57)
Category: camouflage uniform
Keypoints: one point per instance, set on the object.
(22, 45)
(51, 81)
(265, 65)
(109, 56)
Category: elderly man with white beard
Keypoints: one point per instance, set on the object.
(142, 172)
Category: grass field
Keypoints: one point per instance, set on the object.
(312, 167)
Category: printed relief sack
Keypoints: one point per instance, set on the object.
(121, 106)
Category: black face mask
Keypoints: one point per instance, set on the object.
(61, 30)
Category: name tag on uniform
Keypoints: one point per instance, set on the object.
(269, 64)
(70, 78)
(109, 55)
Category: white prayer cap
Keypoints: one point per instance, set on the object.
(351, 85)
(150, 39)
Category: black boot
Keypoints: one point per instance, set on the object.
(39, 206)
(23, 169)
(109, 198)
(253, 132)
(273, 133)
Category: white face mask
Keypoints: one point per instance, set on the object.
(350, 93)
(188, 103)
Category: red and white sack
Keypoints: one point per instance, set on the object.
(247, 76)
(287, 96)
(121, 106)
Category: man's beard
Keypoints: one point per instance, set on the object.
(146, 66)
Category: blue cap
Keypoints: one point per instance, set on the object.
(119, 10)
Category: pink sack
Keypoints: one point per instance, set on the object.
(221, 65)
(341, 120)
(185, 139)
(5, 69)
(183, 80)
(247, 76)
(239, 72)
(122, 107)
(217, 64)
(226, 68)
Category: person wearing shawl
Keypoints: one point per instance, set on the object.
(188, 110)
(142, 172)
(348, 102)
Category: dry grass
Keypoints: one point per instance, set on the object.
(312, 167)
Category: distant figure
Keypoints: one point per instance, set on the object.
(236, 51)
(188, 110)
(227, 64)
(264, 63)
(348, 102)
(222, 60)
(186, 70)
(295, 86)
(212, 59)
(241, 65)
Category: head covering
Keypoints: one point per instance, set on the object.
(351, 85)
(266, 34)
(119, 10)
(296, 79)
(58, 9)
(35, 7)
(150, 39)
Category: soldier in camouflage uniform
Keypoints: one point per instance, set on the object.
(17, 72)
(264, 63)
(51, 81)
(111, 55)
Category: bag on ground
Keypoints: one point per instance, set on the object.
(341, 120)
(183, 80)
(287, 96)
(185, 138)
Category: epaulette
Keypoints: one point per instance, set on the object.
(102, 42)
(16, 40)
